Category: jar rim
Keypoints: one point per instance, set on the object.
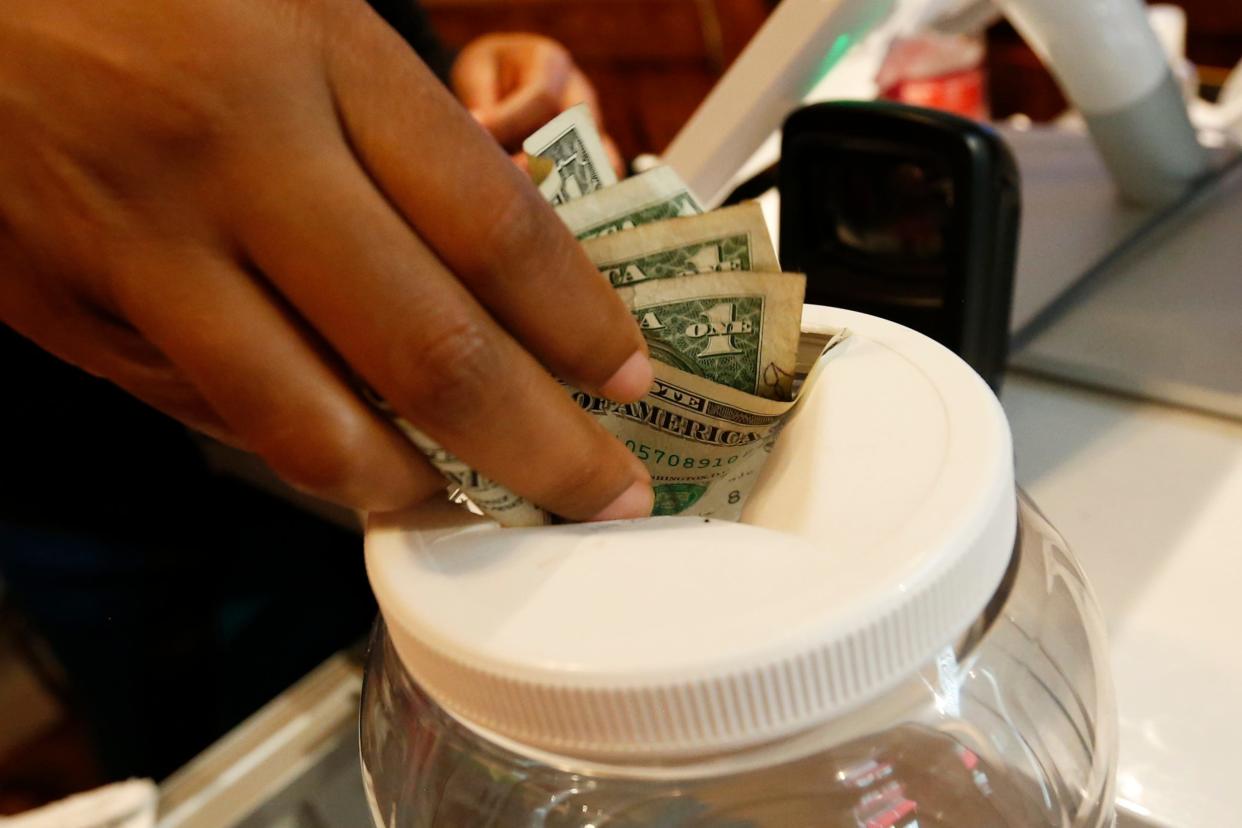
(876, 533)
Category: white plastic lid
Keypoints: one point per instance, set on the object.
(877, 533)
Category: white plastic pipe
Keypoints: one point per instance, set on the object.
(1112, 66)
(1103, 52)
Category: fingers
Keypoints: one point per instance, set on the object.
(512, 84)
(531, 103)
(84, 337)
(483, 219)
(390, 307)
(476, 76)
(254, 365)
(522, 111)
(135, 365)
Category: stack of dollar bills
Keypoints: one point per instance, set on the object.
(721, 320)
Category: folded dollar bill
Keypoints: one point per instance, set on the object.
(578, 163)
(655, 195)
(721, 321)
(735, 329)
(702, 442)
(725, 349)
(732, 239)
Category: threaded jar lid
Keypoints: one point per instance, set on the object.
(876, 534)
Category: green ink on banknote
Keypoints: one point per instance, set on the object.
(675, 498)
(719, 255)
(714, 337)
(682, 204)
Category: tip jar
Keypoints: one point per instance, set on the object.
(892, 636)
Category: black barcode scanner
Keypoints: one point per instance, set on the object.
(906, 213)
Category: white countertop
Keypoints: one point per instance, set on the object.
(1150, 498)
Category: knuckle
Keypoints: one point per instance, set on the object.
(452, 374)
(519, 232)
(174, 107)
(546, 101)
(186, 102)
(480, 49)
(490, 42)
(557, 55)
(181, 120)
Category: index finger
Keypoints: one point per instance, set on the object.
(482, 217)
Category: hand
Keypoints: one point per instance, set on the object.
(515, 83)
(232, 208)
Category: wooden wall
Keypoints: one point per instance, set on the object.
(652, 61)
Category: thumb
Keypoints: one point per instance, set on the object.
(519, 114)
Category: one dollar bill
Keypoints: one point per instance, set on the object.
(703, 444)
(736, 329)
(721, 322)
(728, 240)
(655, 195)
(568, 156)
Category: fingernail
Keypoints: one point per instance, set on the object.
(631, 381)
(634, 502)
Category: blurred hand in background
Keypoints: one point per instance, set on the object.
(515, 83)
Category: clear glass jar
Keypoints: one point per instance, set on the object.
(1014, 725)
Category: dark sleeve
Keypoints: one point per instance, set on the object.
(410, 21)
